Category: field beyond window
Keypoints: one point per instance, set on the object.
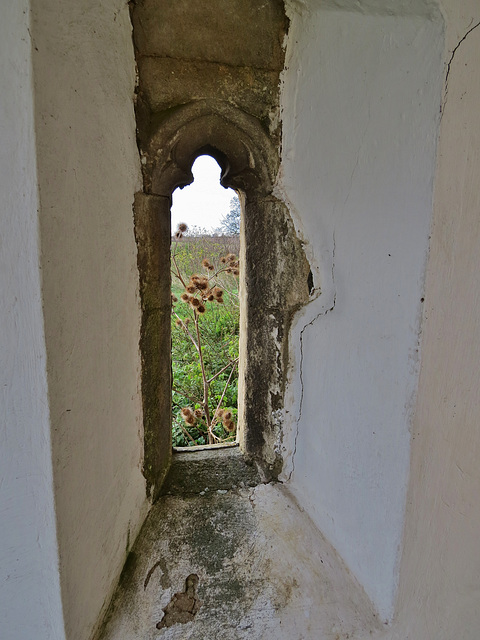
(205, 334)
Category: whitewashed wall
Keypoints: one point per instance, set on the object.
(439, 594)
(88, 171)
(30, 601)
(361, 100)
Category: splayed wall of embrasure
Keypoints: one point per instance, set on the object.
(361, 105)
(209, 83)
(87, 172)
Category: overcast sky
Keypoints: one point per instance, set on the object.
(205, 201)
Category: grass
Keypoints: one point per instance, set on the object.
(218, 331)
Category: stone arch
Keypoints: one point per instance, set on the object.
(238, 142)
(275, 273)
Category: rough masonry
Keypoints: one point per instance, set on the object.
(208, 82)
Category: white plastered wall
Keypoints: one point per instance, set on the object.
(88, 172)
(439, 573)
(361, 100)
(439, 593)
(30, 600)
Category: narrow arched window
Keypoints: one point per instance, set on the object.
(273, 277)
(205, 272)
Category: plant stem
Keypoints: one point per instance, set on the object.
(185, 395)
(224, 390)
(187, 434)
(178, 274)
(233, 362)
(206, 386)
(185, 328)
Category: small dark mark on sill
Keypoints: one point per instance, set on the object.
(149, 574)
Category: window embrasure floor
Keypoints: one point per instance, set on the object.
(264, 571)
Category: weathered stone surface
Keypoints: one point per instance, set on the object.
(169, 82)
(152, 232)
(235, 32)
(206, 470)
(276, 270)
(265, 573)
(239, 142)
(209, 83)
(276, 280)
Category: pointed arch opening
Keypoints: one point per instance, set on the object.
(274, 277)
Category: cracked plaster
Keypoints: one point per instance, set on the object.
(358, 161)
(449, 64)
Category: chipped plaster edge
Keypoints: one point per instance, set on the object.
(323, 297)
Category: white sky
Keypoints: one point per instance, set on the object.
(204, 202)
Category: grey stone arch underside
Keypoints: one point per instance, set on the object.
(274, 283)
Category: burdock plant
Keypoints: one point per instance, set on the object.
(206, 419)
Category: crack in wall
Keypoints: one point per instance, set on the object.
(308, 324)
(324, 313)
(449, 65)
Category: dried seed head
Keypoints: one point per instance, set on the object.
(186, 411)
(206, 263)
(185, 297)
(223, 260)
(211, 267)
(202, 285)
(191, 420)
(230, 257)
(227, 416)
(178, 322)
(198, 413)
(201, 308)
(229, 426)
(219, 300)
(174, 298)
(220, 413)
(190, 288)
(182, 227)
(210, 297)
(195, 302)
(217, 292)
(236, 272)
